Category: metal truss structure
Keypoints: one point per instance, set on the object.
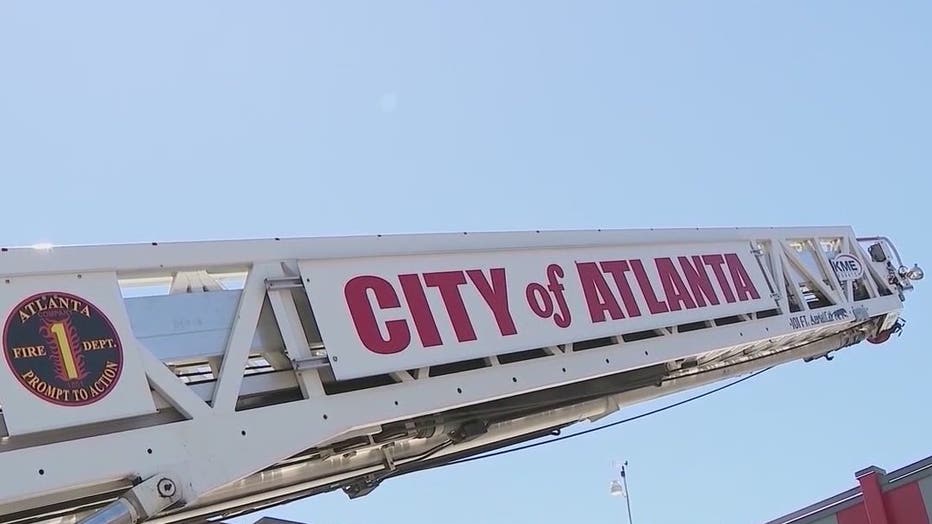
(240, 384)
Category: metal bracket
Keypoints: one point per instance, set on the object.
(139, 503)
(312, 363)
(274, 284)
(389, 456)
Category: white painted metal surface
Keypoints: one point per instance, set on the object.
(130, 392)
(407, 312)
(260, 371)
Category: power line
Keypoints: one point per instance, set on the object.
(429, 453)
(636, 417)
(606, 426)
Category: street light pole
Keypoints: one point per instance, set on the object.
(622, 489)
(624, 479)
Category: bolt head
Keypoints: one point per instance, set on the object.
(166, 488)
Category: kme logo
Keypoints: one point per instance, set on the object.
(847, 267)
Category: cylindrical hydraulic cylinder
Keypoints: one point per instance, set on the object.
(120, 512)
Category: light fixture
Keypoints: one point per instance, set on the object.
(915, 273)
(616, 489)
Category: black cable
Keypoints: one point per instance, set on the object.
(606, 426)
(642, 415)
(430, 452)
(414, 464)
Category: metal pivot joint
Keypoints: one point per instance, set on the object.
(166, 488)
(138, 504)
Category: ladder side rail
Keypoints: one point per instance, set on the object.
(150, 260)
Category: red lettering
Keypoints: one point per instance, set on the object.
(423, 318)
(554, 274)
(653, 304)
(598, 295)
(539, 300)
(716, 262)
(673, 286)
(744, 287)
(356, 293)
(495, 295)
(448, 282)
(698, 281)
(617, 269)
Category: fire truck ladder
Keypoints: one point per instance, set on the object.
(190, 382)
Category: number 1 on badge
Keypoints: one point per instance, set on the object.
(64, 348)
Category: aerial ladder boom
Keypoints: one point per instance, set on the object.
(185, 382)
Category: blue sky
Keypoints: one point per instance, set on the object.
(184, 121)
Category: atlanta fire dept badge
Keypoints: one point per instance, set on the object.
(63, 349)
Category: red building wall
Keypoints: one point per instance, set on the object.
(900, 497)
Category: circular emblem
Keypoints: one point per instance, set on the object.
(63, 349)
(847, 267)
